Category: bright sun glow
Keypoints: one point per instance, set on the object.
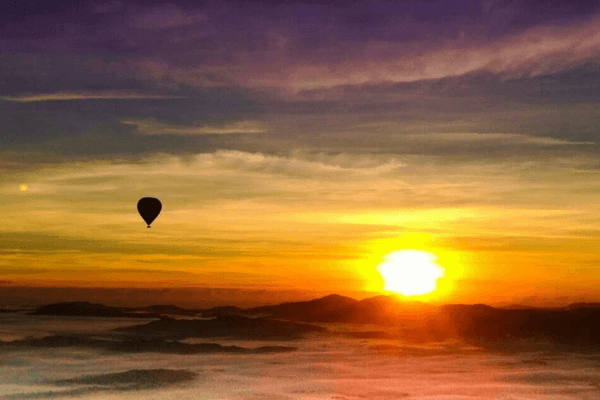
(410, 272)
(23, 187)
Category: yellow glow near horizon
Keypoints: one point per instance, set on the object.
(23, 187)
(410, 272)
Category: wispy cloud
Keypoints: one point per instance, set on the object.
(224, 192)
(537, 50)
(26, 98)
(177, 47)
(164, 17)
(498, 139)
(155, 127)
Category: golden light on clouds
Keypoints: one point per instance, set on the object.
(304, 222)
(23, 187)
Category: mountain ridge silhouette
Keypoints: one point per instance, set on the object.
(577, 323)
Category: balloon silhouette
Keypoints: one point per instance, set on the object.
(149, 208)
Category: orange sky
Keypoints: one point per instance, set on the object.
(312, 226)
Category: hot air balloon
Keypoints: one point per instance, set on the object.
(149, 208)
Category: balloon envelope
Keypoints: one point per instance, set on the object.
(149, 208)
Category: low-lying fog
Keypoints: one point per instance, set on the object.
(323, 366)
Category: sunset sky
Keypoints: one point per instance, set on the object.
(296, 144)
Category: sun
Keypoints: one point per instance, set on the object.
(410, 272)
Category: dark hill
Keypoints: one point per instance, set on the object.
(85, 309)
(582, 305)
(379, 310)
(321, 310)
(393, 308)
(234, 326)
(134, 379)
(170, 309)
(80, 309)
(485, 324)
(136, 345)
(220, 311)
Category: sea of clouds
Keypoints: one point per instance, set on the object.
(322, 367)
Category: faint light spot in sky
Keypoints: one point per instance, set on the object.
(23, 187)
